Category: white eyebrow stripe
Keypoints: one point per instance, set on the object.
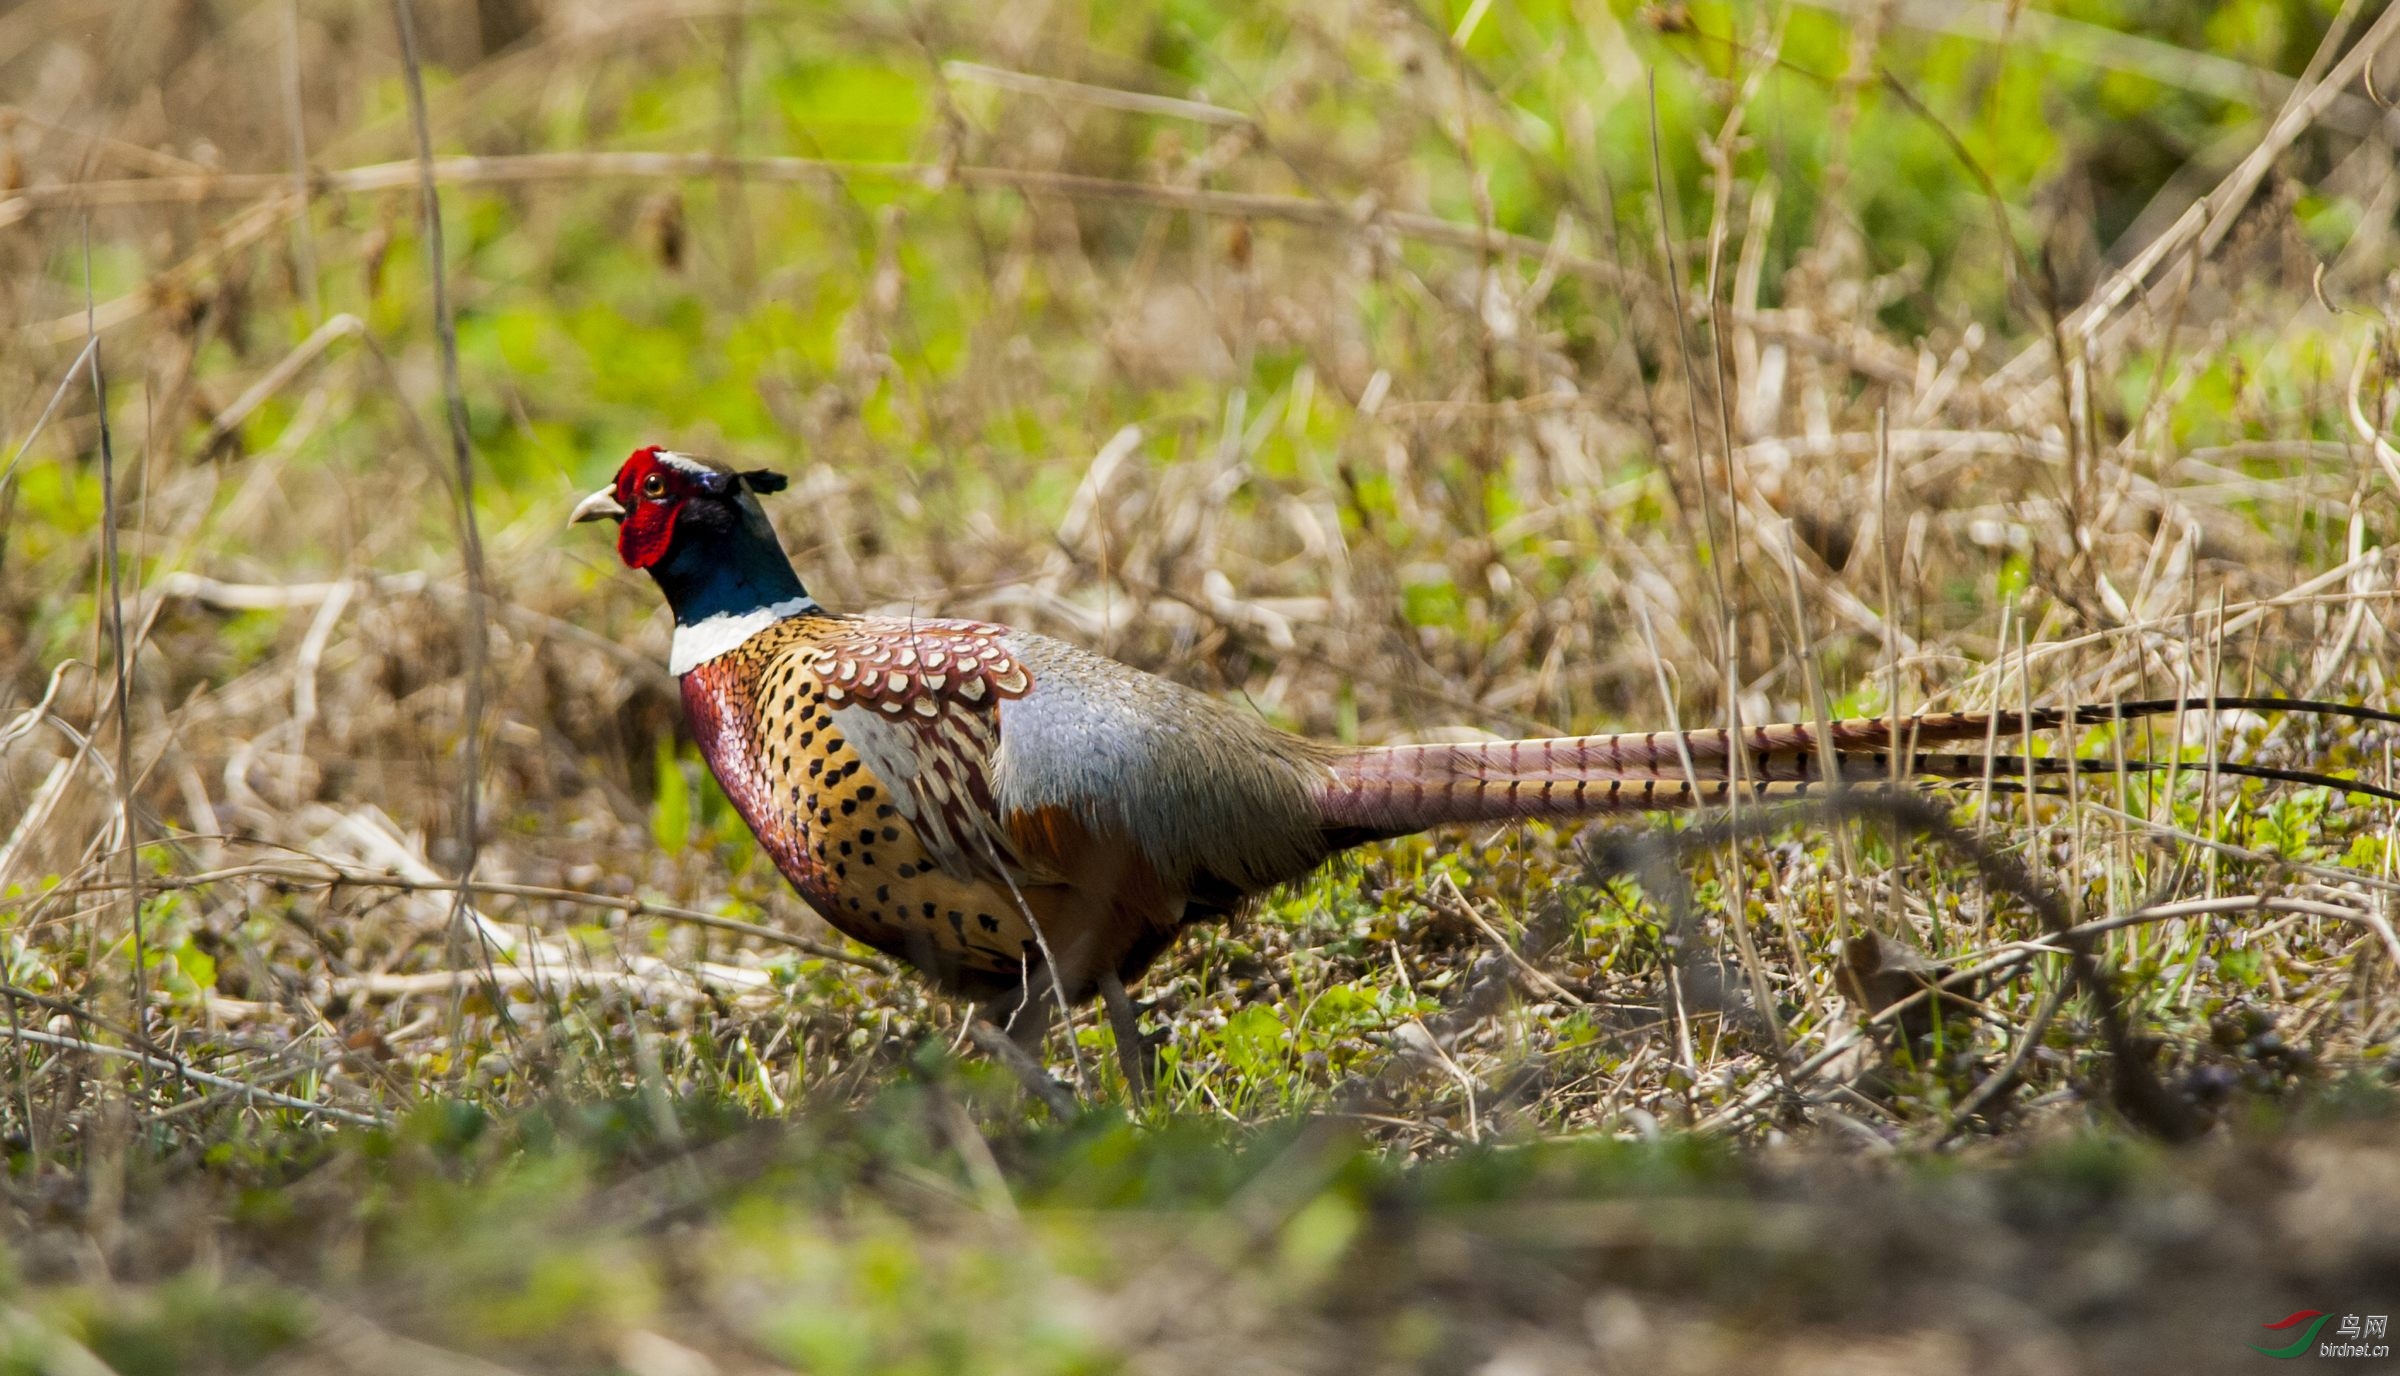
(687, 463)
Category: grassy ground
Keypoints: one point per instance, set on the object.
(1400, 370)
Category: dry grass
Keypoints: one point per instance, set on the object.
(1304, 355)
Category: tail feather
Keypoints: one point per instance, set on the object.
(1395, 789)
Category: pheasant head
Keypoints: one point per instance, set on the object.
(695, 526)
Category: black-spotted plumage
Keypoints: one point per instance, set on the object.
(852, 839)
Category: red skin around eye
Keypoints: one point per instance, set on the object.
(649, 527)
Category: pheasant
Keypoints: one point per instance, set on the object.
(1029, 824)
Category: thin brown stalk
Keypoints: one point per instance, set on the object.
(121, 690)
(304, 246)
(1717, 552)
(475, 636)
(41, 422)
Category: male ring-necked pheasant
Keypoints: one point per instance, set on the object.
(1009, 813)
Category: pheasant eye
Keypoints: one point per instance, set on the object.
(654, 486)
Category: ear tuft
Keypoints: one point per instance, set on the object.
(766, 480)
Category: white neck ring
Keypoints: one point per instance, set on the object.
(711, 636)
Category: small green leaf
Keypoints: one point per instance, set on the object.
(198, 965)
(2244, 967)
(671, 811)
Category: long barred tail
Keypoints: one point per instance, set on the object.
(1408, 787)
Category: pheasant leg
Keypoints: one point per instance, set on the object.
(1133, 1055)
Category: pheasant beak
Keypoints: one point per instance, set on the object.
(600, 506)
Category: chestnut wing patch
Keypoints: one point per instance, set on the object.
(919, 701)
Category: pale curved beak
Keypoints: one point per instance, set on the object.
(600, 506)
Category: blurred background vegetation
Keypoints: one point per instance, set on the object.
(1398, 366)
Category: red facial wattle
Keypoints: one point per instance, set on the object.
(649, 524)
